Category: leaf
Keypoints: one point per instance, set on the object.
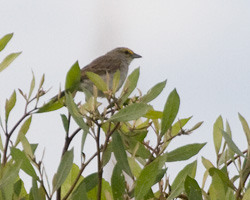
(73, 77)
(41, 81)
(196, 126)
(207, 163)
(178, 184)
(1, 144)
(130, 85)
(245, 128)
(120, 154)
(73, 110)
(224, 178)
(32, 85)
(148, 176)
(153, 114)
(35, 191)
(51, 106)
(85, 186)
(19, 156)
(4, 40)
(9, 105)
(154, 92)
(218, 126)
(98, 81)
(118, 183)
(170, 111)
(63, 170)
(10, 175)
(74, 171)
(246, 196)
(23, 130)
(179, 125)
(107, 154)
(134, 166)
(8, 60)
(116, 81)
(231, 144)
(65, 122)
(192, 189)
(184, 153)
(131, 112)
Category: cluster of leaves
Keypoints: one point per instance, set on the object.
(123, 123)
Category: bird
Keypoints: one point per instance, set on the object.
(114, 60)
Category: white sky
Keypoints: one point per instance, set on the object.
(201, 47)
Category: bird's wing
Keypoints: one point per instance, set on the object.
(101, 66)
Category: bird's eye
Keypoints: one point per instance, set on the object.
(127, 52)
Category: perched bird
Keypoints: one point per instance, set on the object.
(116, 59)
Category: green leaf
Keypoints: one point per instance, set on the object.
(10, 175)
(178, 184)
(63, 170)
(65, 122)
(27, 147)
(8, 60)
(231, 144)
(179, 125)
(247, 195)
(148, 176)
(41, 81)
(224, 178)
(116, 81)
(51, 106)
(73, 110)
(170, 111)
(98, 81)
(218, 126)
(1, 144)
(153, 114)
(19, 189)
(26, 166)
(32, 85)
(207, 163)
(4, 40)
(118, 183)
(35, 191)
(131, 112)
(23, 130)
(80, 193)
(134, 166)
(73, 77)
(120, 154)
(9, 105)
(85, 186)
(107, 154)
(106, 190)
(184, 153)
(154, 92)
(245, 128)
(130, 85)
(74, 171)
(192, 189)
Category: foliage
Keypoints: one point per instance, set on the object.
(140, 167)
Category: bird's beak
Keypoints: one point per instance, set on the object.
(136, 55)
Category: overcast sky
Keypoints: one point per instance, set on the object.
(201, 47)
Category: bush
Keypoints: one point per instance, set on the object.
(124, 123)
